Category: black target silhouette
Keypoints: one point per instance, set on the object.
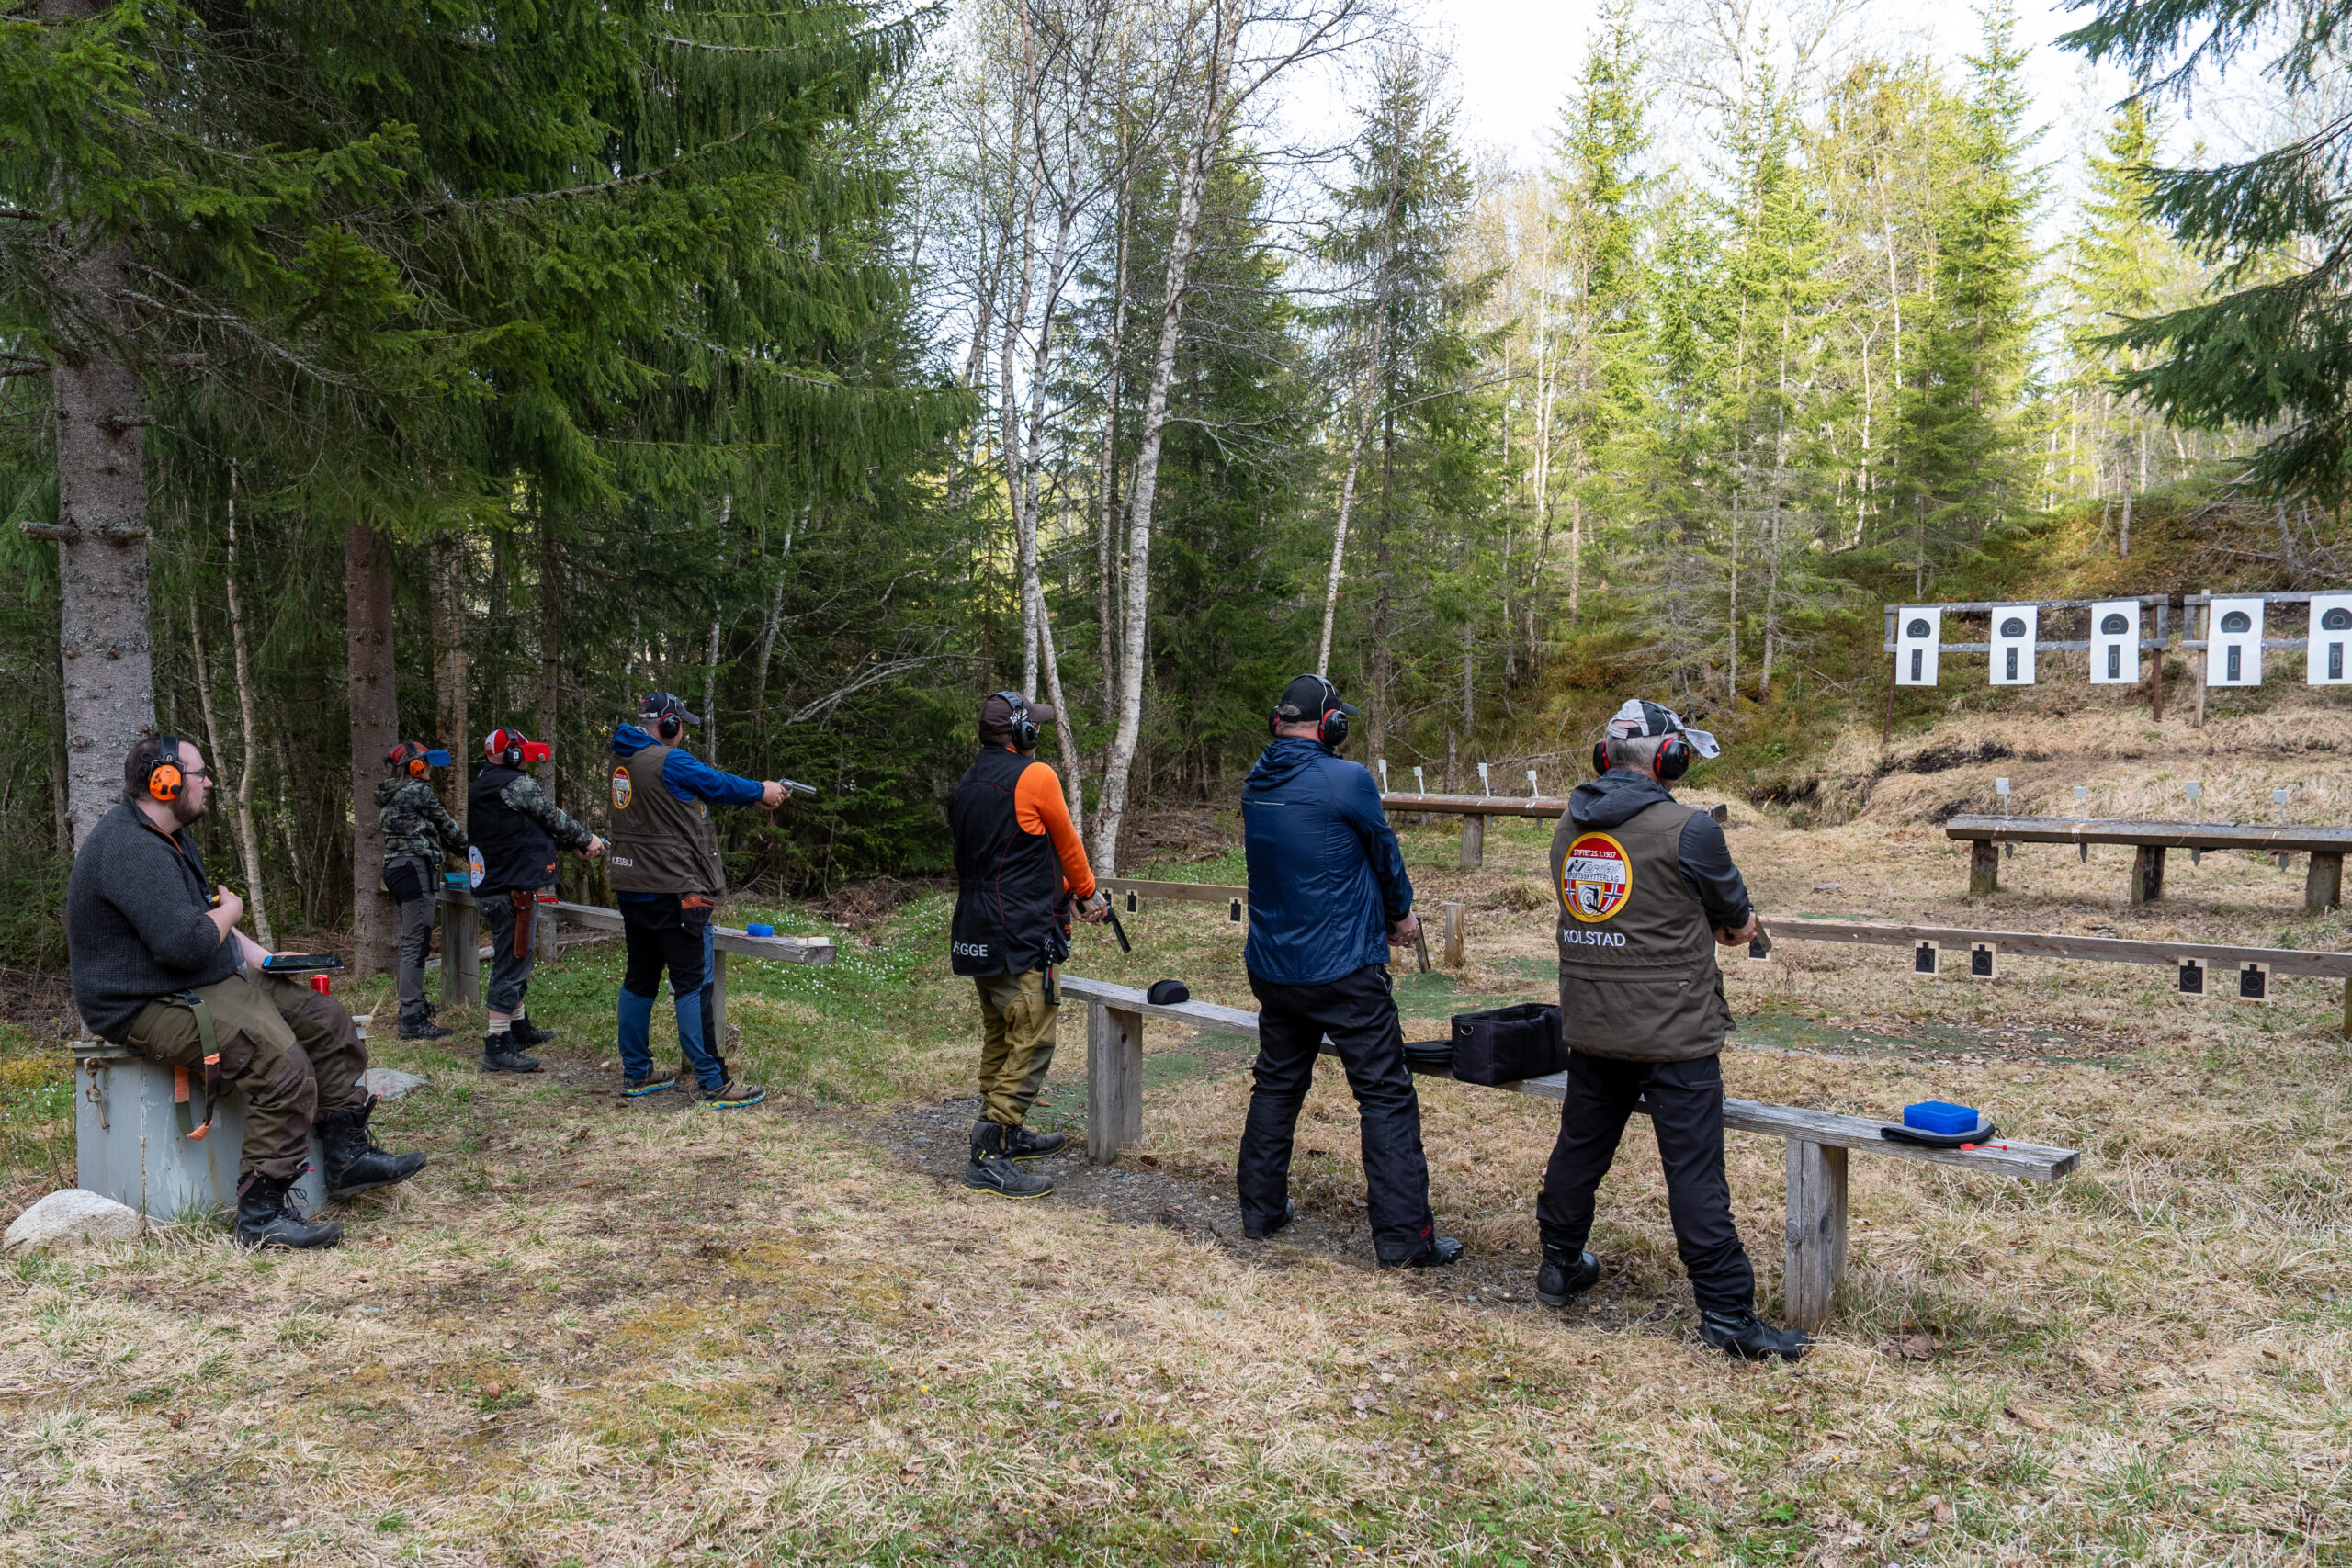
(2115, 626)
(2237, 621)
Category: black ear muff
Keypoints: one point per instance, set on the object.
(1600, 757)
(164, 780)
(668, 726)
(1024, 728)
(1333, 729)
(1673, 759)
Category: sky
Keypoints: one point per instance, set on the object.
(1515, 60)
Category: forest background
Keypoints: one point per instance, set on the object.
(371, 371)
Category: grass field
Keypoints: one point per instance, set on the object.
(594, 1334)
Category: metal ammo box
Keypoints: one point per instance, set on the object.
(129, 1144)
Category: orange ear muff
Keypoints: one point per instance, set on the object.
(416, 768)
(165, 781)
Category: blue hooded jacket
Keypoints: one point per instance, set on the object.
(1327, 879)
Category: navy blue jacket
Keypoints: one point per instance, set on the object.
(1327, 879)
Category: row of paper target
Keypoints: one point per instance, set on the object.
(2250, 982)
(2233, 643)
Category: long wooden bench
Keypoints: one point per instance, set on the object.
(1473, 810)
(2323, 884)
(1814, 1236)
(724, 940)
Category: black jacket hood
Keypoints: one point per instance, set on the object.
(1614, 796)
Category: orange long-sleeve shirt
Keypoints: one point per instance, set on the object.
(1039, 808)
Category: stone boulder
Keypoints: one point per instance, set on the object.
(389, 1083)
(74, 1215)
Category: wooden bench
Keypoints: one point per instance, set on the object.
(2322, 885)
(1454, 918)
(724, 940)
(1814, 1236)
(1473, 810)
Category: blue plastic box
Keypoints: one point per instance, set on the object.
(770, 930)
(1936, 1116)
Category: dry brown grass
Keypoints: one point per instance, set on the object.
(598, 1335)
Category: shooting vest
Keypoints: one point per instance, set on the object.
(512, 851)
(1012, 910)
(1638, 978)
(661, 844)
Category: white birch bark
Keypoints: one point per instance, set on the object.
(248, 841)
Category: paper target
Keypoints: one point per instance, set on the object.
(2014, 627)
(2327, 657)
(2233, 642)
(1919, 637)
(2115, 642)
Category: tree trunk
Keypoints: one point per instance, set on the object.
(374, 728)
(248, 841)
(1072, 785)
(1106, 563)
(448, 599)
(1205, 131)
(551, 643)
(1348, 488)
(1376, 700)
(106, 650)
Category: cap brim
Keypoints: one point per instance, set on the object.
(1347, 708)
(1702, 743)
(1041, 713)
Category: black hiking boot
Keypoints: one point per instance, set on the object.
(527, 1034)
(501, 1054)
(1749, 1336)
(354, 1162)
(1436, 1255)
(1565, 1274)
(417, 1023)
(992, 1169)
(1019, 1142)
(266, 1218)
(1260, 1232)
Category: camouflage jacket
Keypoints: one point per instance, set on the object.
(414, 822)
(522, 793)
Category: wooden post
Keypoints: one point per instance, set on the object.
(1474, 843)
(460, 950)
(1113, 1080)
(1983, 866)
(2348, 1007)
(2147, 873)
(545, 944)
(1455, 920)
(1816, 1263)
(2324, 884)
(2156, 684)
(717, 1000)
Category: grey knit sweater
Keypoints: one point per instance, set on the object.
(137, 921)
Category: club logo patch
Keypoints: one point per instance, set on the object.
(475, 870)
(1597, 877)
(620, 789)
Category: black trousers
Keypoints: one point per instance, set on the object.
(1357, 1012)
(661, 935)
(1687, 1113)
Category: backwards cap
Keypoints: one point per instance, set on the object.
(1639, 718)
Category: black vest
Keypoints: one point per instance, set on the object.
(515, 852)
(1012, 911)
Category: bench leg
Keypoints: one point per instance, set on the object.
(460, 952)
(1816, 1233)
(2147, 873)
(1984, 867)
(2324, 882)
(1113, 1080)
(1474, 843)
(1455, 920)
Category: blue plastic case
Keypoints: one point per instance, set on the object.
(1937, 1116)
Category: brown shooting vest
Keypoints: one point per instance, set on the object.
(661, 844)
(1638, 977)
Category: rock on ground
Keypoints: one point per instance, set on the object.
(389, 1083)
(74, 1216)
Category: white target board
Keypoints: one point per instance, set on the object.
(2014, 630)
(1918, 635)
(2327, 659)
(2115, 642)
(2233, 642)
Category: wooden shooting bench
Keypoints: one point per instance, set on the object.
(724, 940)
(1818, 1141)
(2322, 885)
(1473, 810)
(2173, 955)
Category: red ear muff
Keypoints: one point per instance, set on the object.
(1600, 757)
(1673, 759)
(1332, 729)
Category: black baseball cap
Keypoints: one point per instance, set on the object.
(662, 704)
(1309, 698)
(996, 713)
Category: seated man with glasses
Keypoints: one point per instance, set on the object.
(160, 965)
